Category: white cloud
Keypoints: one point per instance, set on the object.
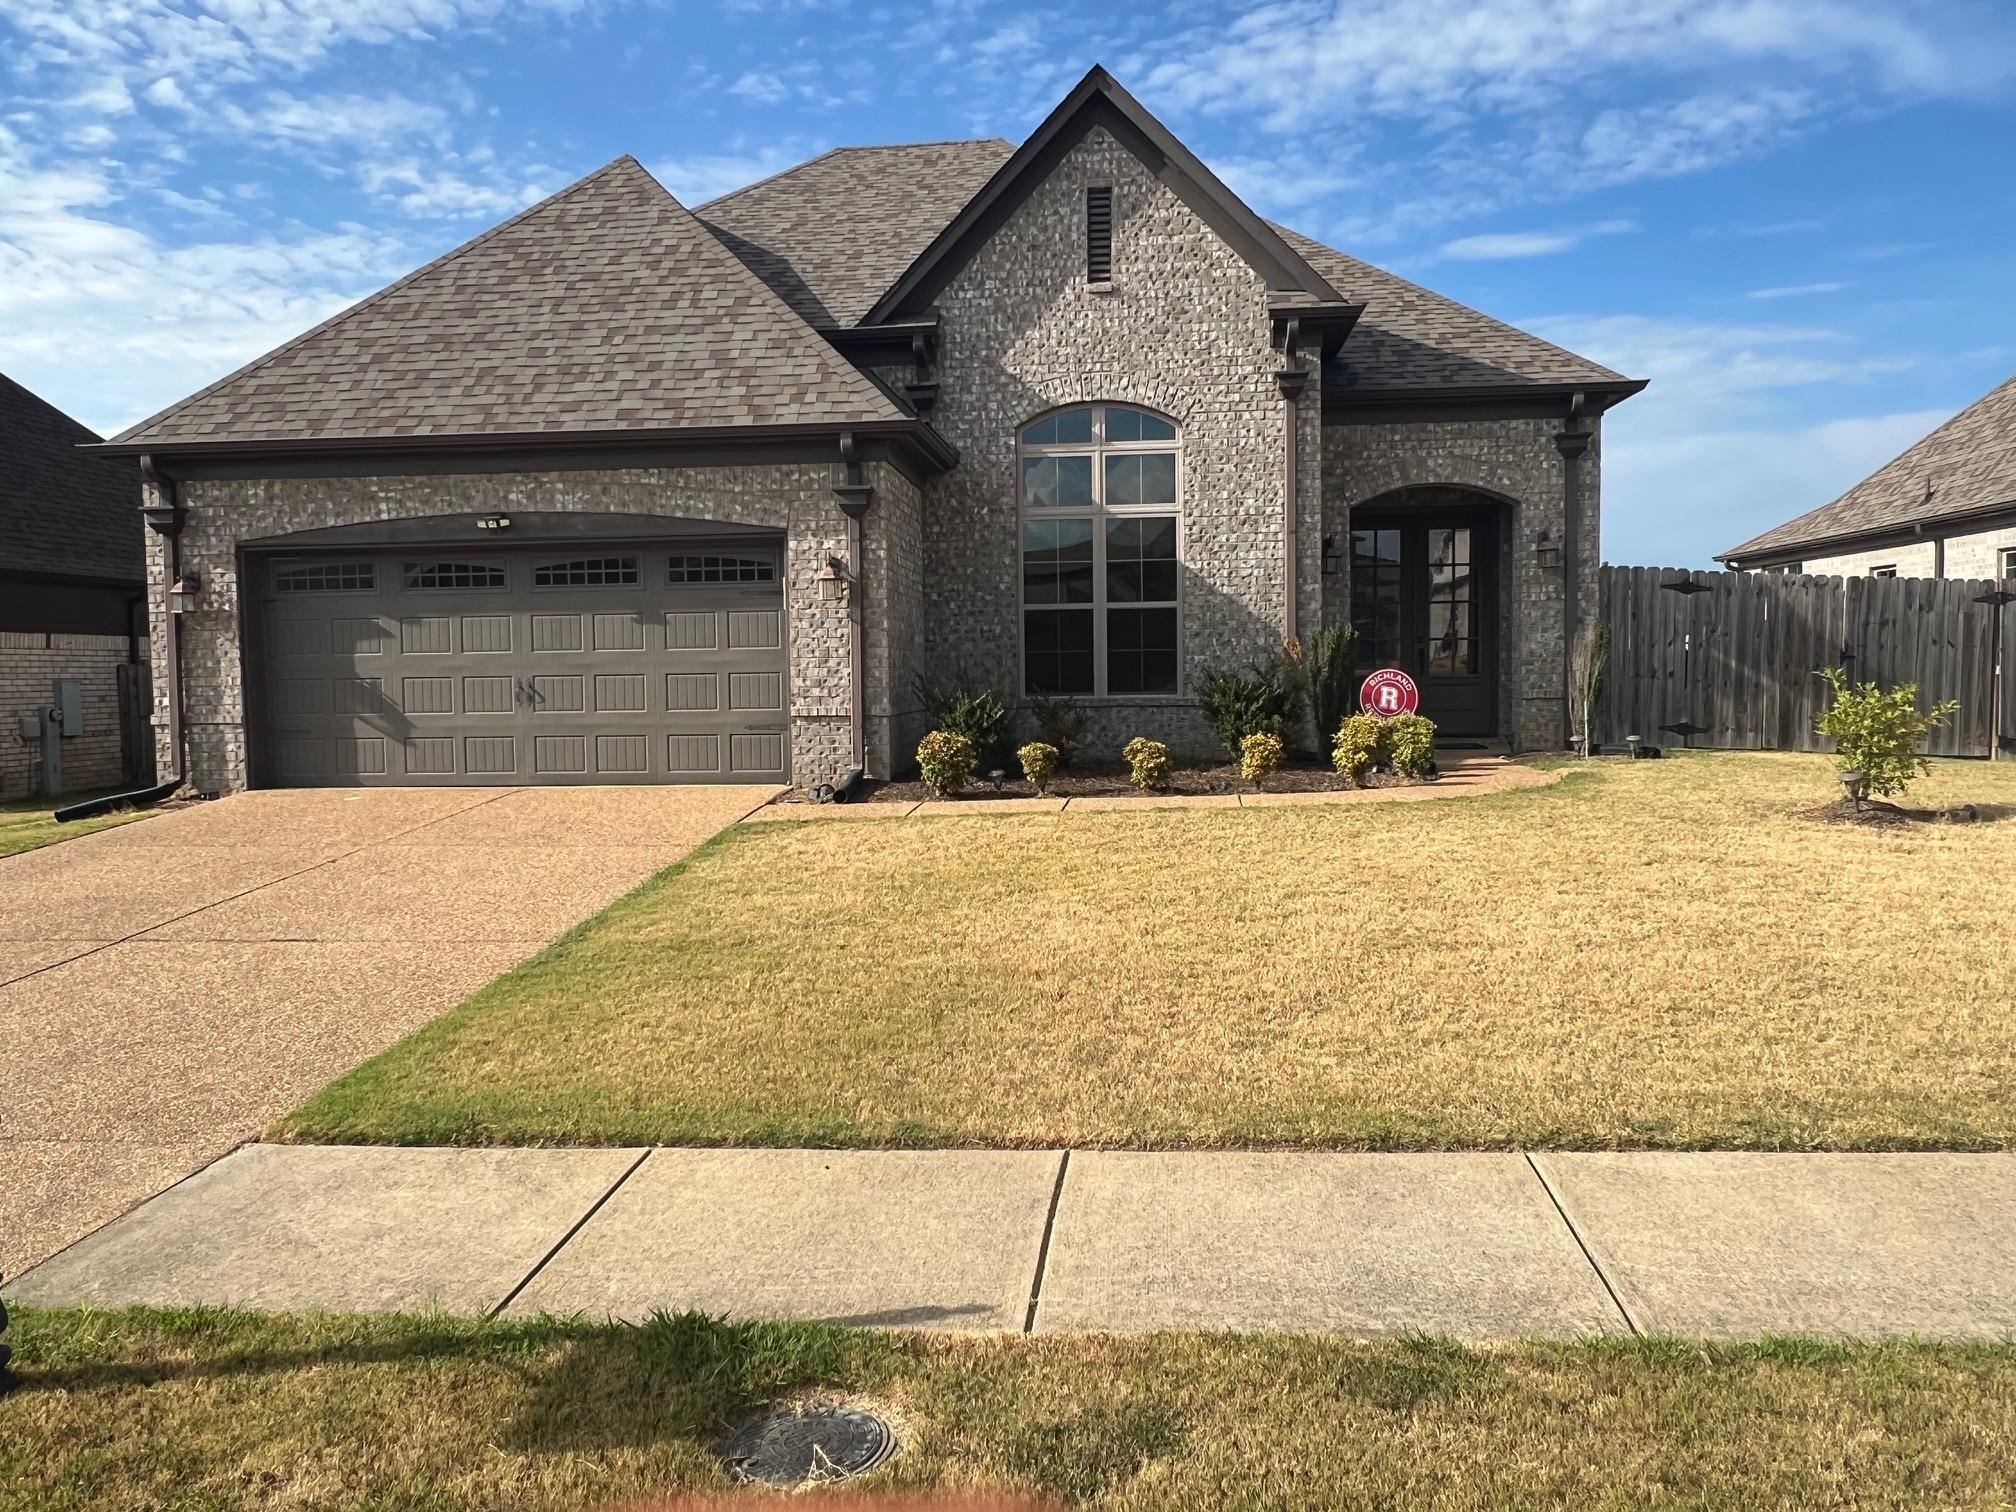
(165, 92)
(323, 120)
(762, 88)
(1797, 291)
(1507, 244)
(432, 190)
(696, 180)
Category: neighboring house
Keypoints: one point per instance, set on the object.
(622, 492)
(1944, 508)
(71, 591)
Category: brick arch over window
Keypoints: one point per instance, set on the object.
(1101, 489)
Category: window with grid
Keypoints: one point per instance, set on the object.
(1101, 526)
(327, 577)
(587, 572)
(723, 569)
(2009, 561)
(453, 575)
(1888, 569)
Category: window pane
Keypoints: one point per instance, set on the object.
(1158, 478)
(1057, 562)
(1039, 482)
(1074, 482)
(1057, 651)
(1124, 424)
(1141, 651)
(1073, 426)
(1042, 433)
(1123, 480)
(1141, 559)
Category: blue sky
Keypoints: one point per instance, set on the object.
(1795, 216)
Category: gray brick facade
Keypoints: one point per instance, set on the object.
(30, 662)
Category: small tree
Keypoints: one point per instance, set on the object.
(1039, 765)
(1878, 733)
(1259, 757)
(1588, 661)
(945, 758)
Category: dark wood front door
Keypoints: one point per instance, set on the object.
(1424, 597)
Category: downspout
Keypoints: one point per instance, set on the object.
(1572, 441)
(1291, 380)
(856, 496)
(164, 514)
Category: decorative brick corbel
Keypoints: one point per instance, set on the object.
(163, 509)
(856, 496)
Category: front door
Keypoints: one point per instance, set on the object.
(1424, 590)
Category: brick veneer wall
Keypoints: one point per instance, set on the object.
(1183, 328)
(797, 497)
(1914, 559)
(1515, 461)
(30, 662)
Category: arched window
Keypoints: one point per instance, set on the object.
(1101, 524)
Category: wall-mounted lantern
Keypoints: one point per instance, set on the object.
(1547, 552)
(1333, 559)
(183, 594)
(833, 581)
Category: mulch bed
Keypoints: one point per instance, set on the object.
(1092, 779)
(1874, 813)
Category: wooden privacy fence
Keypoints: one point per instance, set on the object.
(1728, 659)
(136, 728)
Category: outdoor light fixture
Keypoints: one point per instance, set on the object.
(1333, 560)
(493, 522)
(832, 581)
(1547, 552)
(1851, 784)
(182, 596)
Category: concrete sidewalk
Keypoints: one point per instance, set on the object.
(1476, 1246)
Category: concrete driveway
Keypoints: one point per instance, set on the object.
(167, 988)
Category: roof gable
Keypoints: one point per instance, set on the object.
(63, 512)
(1966, 465)
(606, 307)
(1098, 100)
(831, 235)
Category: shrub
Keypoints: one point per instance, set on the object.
(978, 712)
(946, 759)
(1325, 669)
(1410, 744)
(1265, 701)
(1147, 763)
(1259, 757)
(1877, 733)
(1059, 723)
(1356, 751)
(1039, 764)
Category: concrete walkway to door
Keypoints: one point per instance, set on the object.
(167, 988)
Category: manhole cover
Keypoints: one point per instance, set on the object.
(797, 1446)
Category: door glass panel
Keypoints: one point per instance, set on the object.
(1452, 592)
(1375, 596)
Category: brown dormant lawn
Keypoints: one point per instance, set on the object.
(191, 1409)
(1661, 954)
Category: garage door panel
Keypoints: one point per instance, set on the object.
(427, 670)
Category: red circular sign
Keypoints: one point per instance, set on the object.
(1389, 692)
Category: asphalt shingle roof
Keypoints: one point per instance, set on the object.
(63, 511)
(833, 235)
(1966, 464)
(605, 307)
(1413, 338)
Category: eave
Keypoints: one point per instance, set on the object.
(1478, 401)
(1978, 518)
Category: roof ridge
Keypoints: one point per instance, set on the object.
(771, 178)
(371, 299)
(1436, 294)
(768, 178)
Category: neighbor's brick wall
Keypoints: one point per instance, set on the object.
(30, 662)
(1516, 460)
(797, 497)
(1184, 329)
(1915, 559)
(1978, 555)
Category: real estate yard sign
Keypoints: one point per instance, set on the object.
(1389, 692)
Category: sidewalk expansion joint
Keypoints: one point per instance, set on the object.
(1043, 1248)
(1576, 1234)
(567, 1238)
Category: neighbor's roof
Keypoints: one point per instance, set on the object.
(832, 235)
(1968, 464)
(606, 307)
(63, 511)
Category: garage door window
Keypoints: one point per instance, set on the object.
(327, 577)
(723, 569)
(453, 575)
(587, 572)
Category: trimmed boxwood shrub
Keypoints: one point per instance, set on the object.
(1356, 750)
(945, 758)
(1259, 757)
(1039, 764)
(1147, 764)
(1410, 744)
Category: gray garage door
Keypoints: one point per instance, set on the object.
(569, 665)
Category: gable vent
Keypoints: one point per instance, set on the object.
(1099, 234)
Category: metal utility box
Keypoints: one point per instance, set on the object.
(69, 705)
